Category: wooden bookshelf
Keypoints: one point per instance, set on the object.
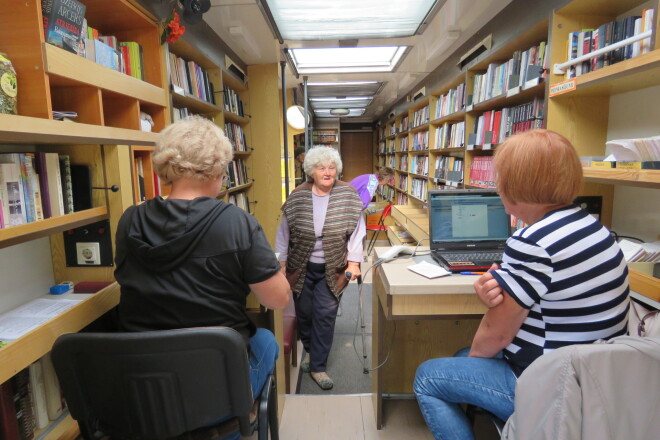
(108, 104)
(20, 353)
(25, 129)
(44, 228)
(583, 114)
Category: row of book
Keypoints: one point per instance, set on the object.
(232, 102)
(494, 126)
(403, 125)
(179, 113)
(421, 116)
(37, 186)
(391, 161)
(420, 165)
(65, 26)
(588, 40)
(482, 172)
(451, 102)
(401, 198)
(403, 182)
(236, 136)
(241, 200)
(450, 169)
(29, 401)
(403, 164)
(387, 192)
(237, 173)
(418, 189)
(188, 77)
(521, 67)
(420, 140)
(450, 135)
(403, 143)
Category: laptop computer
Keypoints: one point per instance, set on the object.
(468, 228)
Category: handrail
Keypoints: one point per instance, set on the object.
(560, 69)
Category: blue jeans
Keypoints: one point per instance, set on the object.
(264, 351)
(441, 385)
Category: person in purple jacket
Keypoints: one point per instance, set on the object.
(366, 184)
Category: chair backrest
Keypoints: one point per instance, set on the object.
(155, 384)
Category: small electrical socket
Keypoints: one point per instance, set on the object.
(88, 254)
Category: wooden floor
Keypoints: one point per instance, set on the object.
(349, 417)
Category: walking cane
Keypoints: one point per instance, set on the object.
(365, 370)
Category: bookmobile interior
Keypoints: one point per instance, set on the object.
(434, 111)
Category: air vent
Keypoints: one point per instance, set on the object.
(419, 94)
(477, 50)
(233, 68)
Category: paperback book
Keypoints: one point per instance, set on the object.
(63, 20)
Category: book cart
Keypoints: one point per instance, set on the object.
(108, 104)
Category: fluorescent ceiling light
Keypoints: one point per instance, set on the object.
(342, 83)
(347, 59)
(348, 19)
(350, 102)
(325, 113)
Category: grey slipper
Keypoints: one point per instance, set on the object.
(323, 380)
(304, 364)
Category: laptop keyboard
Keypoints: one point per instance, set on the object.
(472, 256)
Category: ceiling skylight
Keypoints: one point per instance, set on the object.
(347, 59)
(325, 113)
(348, 19)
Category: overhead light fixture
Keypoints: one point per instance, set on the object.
(327, 113)
(339, 111)
(347, 19)
(341, 83)
(347, 59)
(295, 117)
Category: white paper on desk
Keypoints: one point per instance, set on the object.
(27, 317)
(429, 270)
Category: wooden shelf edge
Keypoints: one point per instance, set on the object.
(194, 103)
(233, 117)
(78, 69)
(25, 350)
(63, 428)
(30, 231)
(26, 129)
(643, 178)
(644, 284)
(239, 188)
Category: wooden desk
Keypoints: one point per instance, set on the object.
(416, 319)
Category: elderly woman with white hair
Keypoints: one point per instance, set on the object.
(320, 245)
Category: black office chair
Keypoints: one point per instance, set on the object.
(473, 411)
(161, 384)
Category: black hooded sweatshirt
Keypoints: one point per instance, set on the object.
(188, 263)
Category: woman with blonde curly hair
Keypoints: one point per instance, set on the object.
(190, 260)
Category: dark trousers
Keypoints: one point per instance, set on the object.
(316, 312)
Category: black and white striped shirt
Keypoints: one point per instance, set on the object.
(569, 271)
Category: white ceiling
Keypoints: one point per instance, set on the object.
(241, 24)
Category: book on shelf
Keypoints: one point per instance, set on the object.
(107, 56)
(63, 20)
(11, 190)
(67, 186)
(38, 394)
(139, 172)
(54, 400)
(8, 422)
(23, 401)
(55, 192)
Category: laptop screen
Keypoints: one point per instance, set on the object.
(461, 216)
